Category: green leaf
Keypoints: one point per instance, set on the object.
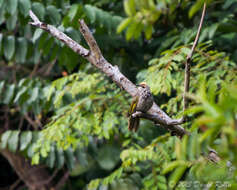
(11, 22)
(124, 24)
(73, 11)
(108, 157)
(227, 27)
(193, 146)
(54, 53)
(90, 13)
(148, 31)
(37, 108)
(70, 160)
(176, 176)
(102, 17)
(31, 148)
(228, 3)
(9, 47)
(59, 158)
(1, 1)
(131, 31)
(9, 93)
(19, 94)
(13, 141)
(34, 95)
(42, 41)
(212, 30)
(39, 10)
(36, 158)
(53, 14)
(48, 46)
(37, 34)
(23, 82)
(24, 6)
(178, 58)
(1, 86)
(4, 139)
(186, 50)
(25, 139)
(11, 6)
(51, 157)
(172, 165)
(0, 43)
(74, 34)
(195, 8)
(21, 50)
(2, 13)
(81, 157)
(129, 7)
(162, 186)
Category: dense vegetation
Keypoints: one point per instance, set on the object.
(69, 120)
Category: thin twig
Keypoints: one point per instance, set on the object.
(188, 62)
(15, 184)
(34, 70)
(33, 123)
(50, 67)
(62, 181)
(21, 123)
(50, 179)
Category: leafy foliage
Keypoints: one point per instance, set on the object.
(62, 118)
(142, 15)
(165, 75)
(26, 141)
(94, 114)
(27, 94)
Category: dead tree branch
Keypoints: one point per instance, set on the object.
(95, 57)
(188, 62)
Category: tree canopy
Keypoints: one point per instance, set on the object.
(65, 121)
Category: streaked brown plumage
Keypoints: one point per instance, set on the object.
(143, 101)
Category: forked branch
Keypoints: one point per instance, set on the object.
(95, 57)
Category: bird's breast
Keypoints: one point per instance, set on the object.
(145, 101)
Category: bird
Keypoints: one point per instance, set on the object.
(142, 102)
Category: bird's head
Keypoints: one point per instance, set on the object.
(143, 86)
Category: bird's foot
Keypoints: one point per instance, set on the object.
(137, 114)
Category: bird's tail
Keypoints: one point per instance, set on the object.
(133, 123)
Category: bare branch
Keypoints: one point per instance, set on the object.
(90, 39)
(198, 33)
(188, 62)
(34, 70)
(59, 35)
(95, 57)
(171, 125)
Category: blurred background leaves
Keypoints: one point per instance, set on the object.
(59, 111)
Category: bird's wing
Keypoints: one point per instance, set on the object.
(133, 105)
